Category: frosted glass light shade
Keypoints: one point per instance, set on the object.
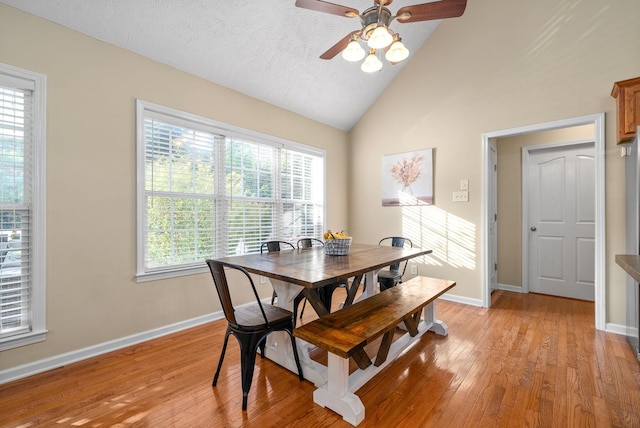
(353, 51)
(371, 64)
(380, 38)
(397, 52)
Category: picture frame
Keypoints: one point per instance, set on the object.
(407, 178)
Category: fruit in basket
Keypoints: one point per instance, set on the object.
(329, 235)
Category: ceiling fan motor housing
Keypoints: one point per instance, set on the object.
(370, 19)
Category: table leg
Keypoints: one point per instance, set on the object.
(437, 326)
(371, 285)
(352, 290)
(336, 395)
(315, 301)
(278, 347)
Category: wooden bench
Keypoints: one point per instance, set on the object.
(346, 332)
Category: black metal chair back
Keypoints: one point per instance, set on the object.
(309, 242)
(271, 246)
(393, 276)
(397, 241)
(222, 288)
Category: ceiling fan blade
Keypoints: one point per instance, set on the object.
(429, 11)
(339, 47)
(323, 6)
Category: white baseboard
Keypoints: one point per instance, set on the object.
(40, 366)
(507, 287)
(616, 328)
(461, 299)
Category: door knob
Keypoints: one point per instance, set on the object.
(533, 228)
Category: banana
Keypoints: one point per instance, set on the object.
(329, 235)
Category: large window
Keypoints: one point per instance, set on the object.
(22, 154)
(207, 189)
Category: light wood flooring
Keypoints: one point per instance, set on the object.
(529, 361)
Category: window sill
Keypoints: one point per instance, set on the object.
(174, 273)
(22, 340)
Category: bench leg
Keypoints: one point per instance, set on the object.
(335, 394)
(437, 326)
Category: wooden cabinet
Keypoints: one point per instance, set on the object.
(627, 95)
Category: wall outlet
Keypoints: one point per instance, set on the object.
(263, 279)
(461, 196)
(414, 269)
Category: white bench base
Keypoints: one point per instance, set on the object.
(336, 388)
(338, 393)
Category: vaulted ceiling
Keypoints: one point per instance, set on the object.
(268, 49)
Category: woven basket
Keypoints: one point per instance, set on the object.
(337, 247)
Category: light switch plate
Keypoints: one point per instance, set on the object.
(464, 184)
(461, 196)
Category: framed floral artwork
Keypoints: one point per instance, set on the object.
(407, 178)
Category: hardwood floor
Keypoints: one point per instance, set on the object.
(530, 360)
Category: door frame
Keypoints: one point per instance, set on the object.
(597, 120)
(526, 152)
(493, 215)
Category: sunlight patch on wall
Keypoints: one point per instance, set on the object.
(452, 239)
(557, 29)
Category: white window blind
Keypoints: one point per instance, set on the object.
(16, 107)
(211, 190)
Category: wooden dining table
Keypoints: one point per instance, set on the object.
(314, 273)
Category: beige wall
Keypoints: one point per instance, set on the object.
(509, 150)
(502, 65)
(92, 296)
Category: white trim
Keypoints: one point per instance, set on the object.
(616, 329)
(23, 339)
(461, 299)
(173, 273)
(38, 222)
(189, 119)
(597, 120)
(512, 288)
(40, 366)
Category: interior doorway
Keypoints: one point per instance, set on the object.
(597, 122)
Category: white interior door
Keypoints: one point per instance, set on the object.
(561, 213)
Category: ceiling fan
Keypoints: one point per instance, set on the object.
(375, 31)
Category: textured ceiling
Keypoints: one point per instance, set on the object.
(267, 49)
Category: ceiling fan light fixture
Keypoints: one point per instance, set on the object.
(380, 38)
(353, 51)
(397, 52)
(371, 64)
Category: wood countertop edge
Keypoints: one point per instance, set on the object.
(630, 263)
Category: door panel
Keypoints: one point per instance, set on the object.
(550, 263)
(561, 196)
(585, 250)
(551, 190)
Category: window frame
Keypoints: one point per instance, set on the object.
(191, 121)
(37, 331)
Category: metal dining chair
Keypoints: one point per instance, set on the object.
(393, 276)
(249, 323)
